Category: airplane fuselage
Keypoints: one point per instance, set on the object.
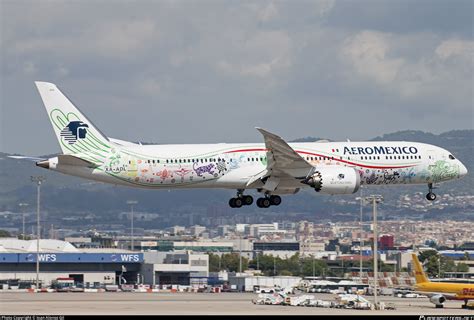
(232, 165)
(273, 168)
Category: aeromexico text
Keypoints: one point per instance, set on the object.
(380, 150)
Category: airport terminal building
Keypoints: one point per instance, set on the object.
(95, 267)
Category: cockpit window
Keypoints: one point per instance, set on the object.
(451, 157)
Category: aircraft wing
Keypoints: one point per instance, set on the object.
(283, 162)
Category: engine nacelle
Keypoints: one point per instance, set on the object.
(438, 299)
(334, 180)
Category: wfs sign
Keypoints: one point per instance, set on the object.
(72, 257)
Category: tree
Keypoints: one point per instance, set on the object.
(214, 262)
(320, 267)
(285, 273)
(466, 256)
(462, 267)
(4, 234)
(426, 255)
(438, 265)
(229, 262)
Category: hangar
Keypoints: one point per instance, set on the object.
(94, 267)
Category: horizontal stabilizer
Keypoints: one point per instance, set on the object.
(65, 159)
(26, 158)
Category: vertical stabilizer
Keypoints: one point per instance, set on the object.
(420, 275)
(75, 133)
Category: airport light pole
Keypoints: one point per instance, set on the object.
(38, 180)
(375, 199)
(258, 263)
(131, 203)
(361, 242)
(23, 206)
(274, 266)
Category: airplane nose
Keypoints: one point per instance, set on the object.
(462, 170)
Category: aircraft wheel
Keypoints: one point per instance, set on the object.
(259, 202)
(232, 202)
(238, 202)
(247, 200)
(275, 200)
(431, 196)
(266, 202)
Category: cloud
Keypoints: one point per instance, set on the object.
(260, 55)
(442, 73)
(368, 54)
(210, 71)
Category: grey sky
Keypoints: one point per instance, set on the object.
(210, 71)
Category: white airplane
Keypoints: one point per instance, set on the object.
(273, 168)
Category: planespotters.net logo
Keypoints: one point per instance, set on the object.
(446, 318)
(74, 131)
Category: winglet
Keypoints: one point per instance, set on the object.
(283, 156)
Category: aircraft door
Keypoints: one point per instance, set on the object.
(431, 157)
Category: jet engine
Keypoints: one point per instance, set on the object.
(438, 299)
(334, 180)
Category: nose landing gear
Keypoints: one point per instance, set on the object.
(430, 195)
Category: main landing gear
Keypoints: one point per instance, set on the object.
(240, 200)
(246, 200)
(430, 195)
(266, 202)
